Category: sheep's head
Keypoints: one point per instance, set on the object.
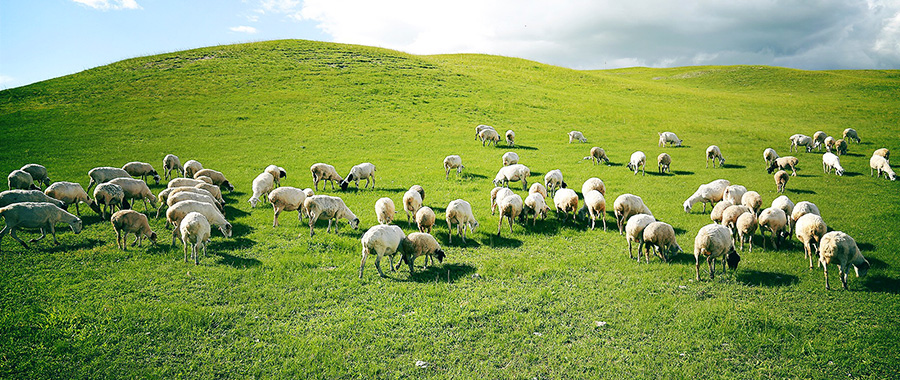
(721, 160)
(228, 186)
(772, 167)
(152, 237)
(565, 185)
(354, 223)
(226, 229)
(439, 254)
(126, 205)
(33, 187)
(282, 173)
(688, 206)
(732, 259)
(459, 169)
(155, 176)
(94, 206)
(344, 184)
(253, 201)
(76, 225)
(862, 268)
(474, 226)
(839, 171)
(678, 142)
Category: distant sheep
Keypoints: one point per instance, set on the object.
(20, 180)
(576, 135)
(627, 205)
(141, 169)
(384, 210)
(566, 201)
(453, 162)
(513, 173)
(819, 140)
(799, 140)
(638, 161)
(382, 240)
(810, 229)
(840, 147)
(191, 167)
(668, 137)
(785, 162)
(839, 248)
(634, 232)
(459, 212)
(489, 136)
(829, 143)
(510, 158)
(510, 137)
(425, 219)
(412, 202)
(324, 172)
(715, 154)
(36, 215)
(554, 180)
(195, 232)
(850, 134)
(170, 163)
(130, 221)
(330, 208)
(781, 180)
(69, 193)
(714, 241)
(770, 156)
(480, 128)
(510, 208)
(660, 237)
(38, 173)
(364, 171)
(217, 177)
(831, 162)
(536, 205)
(597, 155)
(287, 198)
(880, 165)
(662, 163)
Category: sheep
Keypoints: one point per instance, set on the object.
(668, 137)
(498, 193)
(753, 200)
(662, 163)
(627, 205)
(460, 213)
(217, 177)
(194, 232)
(638, 159)
(554, 180)
(799, 140)
(879, 165)
(784, 203)
(383, 240)
(800, 209)
(20, 180)
(712, 241)
(9, 197)
(324, 172)
(135, 189)
(597, 155)
(420, 244)
(425, 219)
(212, 189)
(262, 185)
(419, 190)
(480, 128)
(488, 136)
(510, 158)
(183, 182)
(309, 192)
(510, 137)
(108, 196)
(634, 232)
(364, 171)
(576, 135)
(566, 201)
(453, 162)
(769, 155)
(130, 221)
(731, 215)
(170, 163)
(36, 215)
(105, 174)
(277, 173)
(785, 162)
(38, 173)
(781, 180)
(735, 193)
(288, 198)
(141, 169)
(177, 212)
(746, 226)
(829, 143)
(191, 167)
(537, 188)
(716, 214)
(850, 134)
(193, 196)
(819, 140)
(510, 207)
(810, 228)
(412, 202)
(596, 207)
(714, 153)
(331, 208)
(840, 147)
(204, 179)
(840, 248)
(776, 222)
(384, 210)
(69, 193)
(832, 162)
(660, 237)
(163, 196)
(513, 173)
(593, 183)
(883, 152)
(537, 205)
(707, 193)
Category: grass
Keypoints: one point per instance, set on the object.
(268, 303)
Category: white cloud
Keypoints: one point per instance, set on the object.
(7, 82)
(243, 29)
(106, 5)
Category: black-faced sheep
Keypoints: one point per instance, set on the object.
(364, 171)
(217, 177)
(714, 241)
(660, 237)
(715, 154)
(38, 173)
(420, 244)
(141, 169)
(324, 172)
(850, 134)
(453, 162)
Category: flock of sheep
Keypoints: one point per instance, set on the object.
(194, 204)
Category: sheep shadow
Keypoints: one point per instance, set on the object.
(495, 241)
(682, 172)
(852, 174)
(236, 262)
(687, 258)
(467, 175)
(734, 166)
(865, 247)
(615, 164)
(537, 174)
(521, 147)
(852, 154)
(882, 284)
(679, 231)
(801, 191)
(440, 273)
(766, 279)
(544, 227)
(444, 238)
(231, 212)
(79, 245)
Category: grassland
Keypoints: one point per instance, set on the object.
(268, 303)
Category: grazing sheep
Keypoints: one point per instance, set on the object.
(217, 177)
(810, 229)
(799, 140)
(171, 162)
(460, 213)
(850, 134)
(832, 162)
(840, 147)
(194, 232)
(425, 219)
(36, 215)
(108, 196)
(510, 207)
(770, 155)
(661, 238)
(141, 169)
(781, 180)
(163, 196)
(130, 221)
(288, 198)
(135, 189)
(829, 143)
(489, 136)
(38, 173)
(707, 193)
(453, 162)
(746, 226)
(776, 222)
(784, 203)
(480, 128)
(537, 205)
(576, 135)
(713, 241)
(69, 193)
(331, 208)
(785, 162)
(634, 232)
(364, 171)
(554, 180)
(510, 137)
(716, 214)
(753, 200)
(277, 173)
(510, 158)
(668, 137)
(597, 155)
(420, 244)
(537, 188)
(883, 152)
(662, 163)
(20, 180)
(192, 196)
(184, 182)
(191, 167)
(309, 192)
(176, 213)
(596, 207)
(593, 183)
(204, 179)
(419, 190)
(819, 140)
(800, 209)
(841, 249)
(383, 240)
(627, 205)
(498, 193)
(262, 185)
(714, 153)
(324, 172)
(513, 173)
(731, 215)
(566, 201)
(879, 165)
(638, 160)
(735, 193)
(105, 174)
(9, 197)
(384, 210)
(412, 202)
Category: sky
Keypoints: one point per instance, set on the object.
(43, 39)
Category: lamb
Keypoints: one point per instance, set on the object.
(38, 173)
(217, 177)
(735, 193)
(713, 241)
(510, 158)
(776, 221)
(412, 202)
(879, 165)
(135, 189)
(661, 237)
(510, 137)
(638, 160)
(69, 193)
(829, 143)
(537, 188)
(130, 221)
(839, 248)
(288, 198)
(627, 205)
(597, 155)
(769, 155)
(576, 135)
(171, 162)
(277, 173)
(634, 231)
(383, 240)
(460, 213)
(668, 137)
(331, 208)
(105, 174)
(195, 232)
(480, 128)
(191, 167)
(9, 197)
(183, 182)
(108, 196)
(419, 190)
(324, 172)
(453, 162)
(176, 214)
(746, 226)
(716, 214)
(425, 219)
(883, 152)
(781, 180)
(262, 185)
(819, 140)
(800, 209)
(420, 244)
(799, 140)
(141, 169)
(850, 134)
(554, 180)
(753, 200)
(662, 163)
(566, 201)
(20, 180)
(36, 215)
(832, 162)
(384, 210)
(596, 207)
(784, 203)
(714, 153)
(535, 204)
(364, 171)
(783, 163)
(488, 136)
(840, 147)
(731, 215)
(593, 183)
(513, 173)
(810, 229)
(510, 207)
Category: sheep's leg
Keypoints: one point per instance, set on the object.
(277, 212)
(77, 211)
(137, 238)
(500, 224)
(12, 232)
(697, 266)
(362, 263)
(603, 218)
(43, 235)
(825, 269)
(312, 223)
(186, 253)
(174, 232)
(630, 255)
(450, 232)
(447, 174)
(842, 272)
(712, 267)
(510, 223)
(118, 239)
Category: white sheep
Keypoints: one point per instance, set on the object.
(412, 202)
(597, 155)
(776, 222)
(364, 171)
(453, 162)
(513, 173)
(576, 135)
(638, 161)
(810, 228)
(627, 205)
(192, 196)
(309, 192)
(204, 179)
(38, 173)
(9, 197)
(735, 193)
(668, 137)
(383, 240)
(287, 198)
(800, 209)
(880, 165)
(781, 180)
(634, 232)
(784, 203)
(195, 232)
(130, 221)
(172, 162)
(829, 143)
(715, 154)
(819, 140)
(596, 207)
(105, 174)
(832, 162)
(20, 180)
(510, 158)
(554, 180)
(769, 155)
(731, 215)
(850, 134)
(510, 137)
(536, 204)
(746, 226)
(537, 188)
(425, 219)
(707, 193)
(331, 208)
(107, 196)
(36, 215)
(566, 201)
(191, 167)
(785, 162)
(324, 172)
(716, 214)
(480, 128)
(663, 161)
(839, 248)
(277, 173)
(69, 193)
(799, 140)
(753, 200)
(660, 237)
(163, 196)
(418, 189)
(459, 212)
(262, 185)
(176, 213)
(384, 210)
(141, 169)
(217, 177)
(489, 136)
(183, 182)
(593, 183)
(713, 241)
(135, 189)
(883, 152)
(510, 207)
(496, 194)
(420, 244)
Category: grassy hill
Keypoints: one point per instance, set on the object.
(268, 303)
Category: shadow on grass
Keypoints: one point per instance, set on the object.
(682, 172)
(444, 238)
(800, 191)
(80, 244)
(852, 154)
(440, 272)
(767, 279)
(238, 230)
(733, 166)
(495, 241)
(232, 212)
(688, 258)
(852, 174)
(234, 261)
(521, 147)
(876, 263)
(467, 175)
(679, 231)
(362, 189)
(881, 284)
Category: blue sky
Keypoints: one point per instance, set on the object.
(43, 39)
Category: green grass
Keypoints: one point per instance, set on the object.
(268, 303)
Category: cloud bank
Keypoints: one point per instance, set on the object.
(243, 29)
